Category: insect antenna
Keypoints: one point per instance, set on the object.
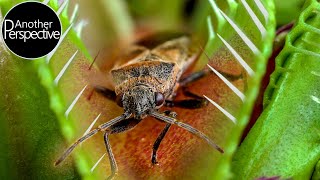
(186, 127)
(102, 127)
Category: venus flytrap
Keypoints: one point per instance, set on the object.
(284, 141)
(65, 75)
(248, 45)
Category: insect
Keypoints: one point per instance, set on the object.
(145, 83)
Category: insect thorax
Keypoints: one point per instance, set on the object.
(158, 75)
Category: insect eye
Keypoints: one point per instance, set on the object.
(119, 100)
(159, 98)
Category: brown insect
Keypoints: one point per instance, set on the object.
(148, 81)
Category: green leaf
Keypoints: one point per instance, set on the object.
(284, 140)
(288, 11)
(221, 58)
(29, 133)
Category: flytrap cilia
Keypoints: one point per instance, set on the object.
(145, 79)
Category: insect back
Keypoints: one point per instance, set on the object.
(141, 85)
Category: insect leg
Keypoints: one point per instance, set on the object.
(198, 101)
(186, 127)
(102, 127)
(160, 138)
(109, 94)
(200, 74)
(195, 103)
(119, 127)
(113, 164)
(157, 143)
(188, 103)
(193, 77)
